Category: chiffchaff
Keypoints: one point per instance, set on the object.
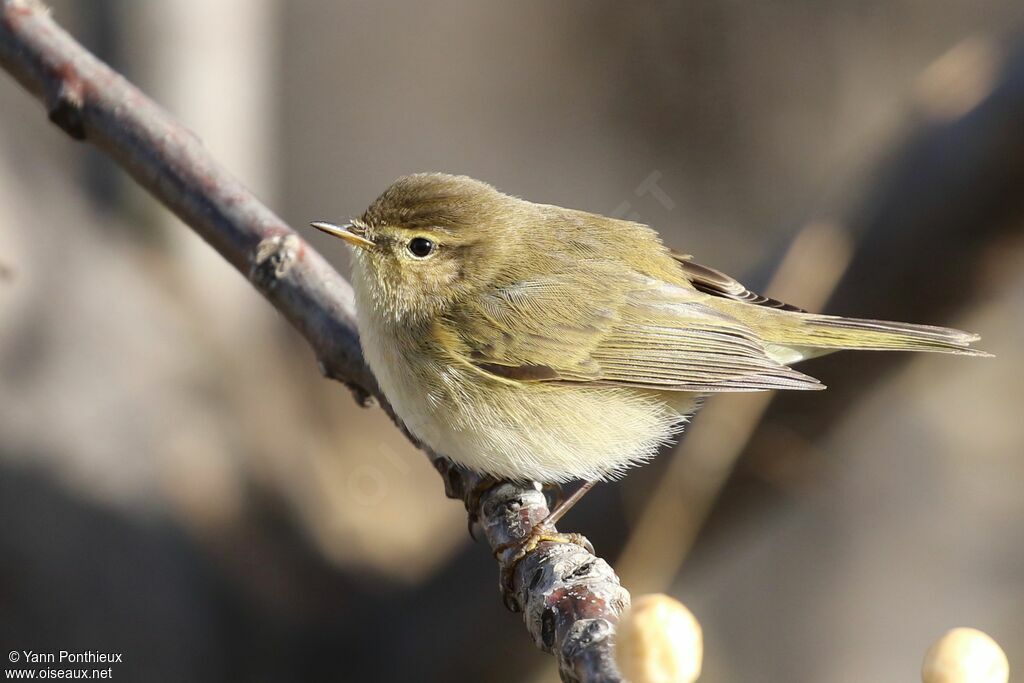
(528, 341)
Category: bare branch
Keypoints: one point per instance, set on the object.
(571, 599)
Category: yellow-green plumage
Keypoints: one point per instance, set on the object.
(537, 342)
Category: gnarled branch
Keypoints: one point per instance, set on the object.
(570, 598)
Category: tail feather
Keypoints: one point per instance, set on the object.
(836, 332)
(792, 336)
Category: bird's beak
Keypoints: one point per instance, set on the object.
(345, 233)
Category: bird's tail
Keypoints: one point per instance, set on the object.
(827, 333)
(811, 334)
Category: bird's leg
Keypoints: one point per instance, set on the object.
(565, 505)
(542, 532)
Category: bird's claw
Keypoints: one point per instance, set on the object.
(541, 533)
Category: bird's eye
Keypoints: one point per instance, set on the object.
(421, 247)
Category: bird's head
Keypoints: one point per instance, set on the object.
(429, 240)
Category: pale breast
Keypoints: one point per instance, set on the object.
(549, 432)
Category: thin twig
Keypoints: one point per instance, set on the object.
(570, 598)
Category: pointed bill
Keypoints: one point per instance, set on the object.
(344, 232)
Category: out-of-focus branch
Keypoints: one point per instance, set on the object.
(917, 230)
(929, 215)
(571, 599)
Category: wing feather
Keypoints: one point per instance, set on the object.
(637, 332)
(717, 283)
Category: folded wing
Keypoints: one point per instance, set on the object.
(624, 331)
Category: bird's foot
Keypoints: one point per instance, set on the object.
(543, 532)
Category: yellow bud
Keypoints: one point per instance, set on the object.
(659, 641)
(965, 655)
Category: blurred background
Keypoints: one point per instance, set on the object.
(177, 482)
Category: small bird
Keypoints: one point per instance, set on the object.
(532, 342)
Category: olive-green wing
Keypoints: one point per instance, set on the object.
(613, 330)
